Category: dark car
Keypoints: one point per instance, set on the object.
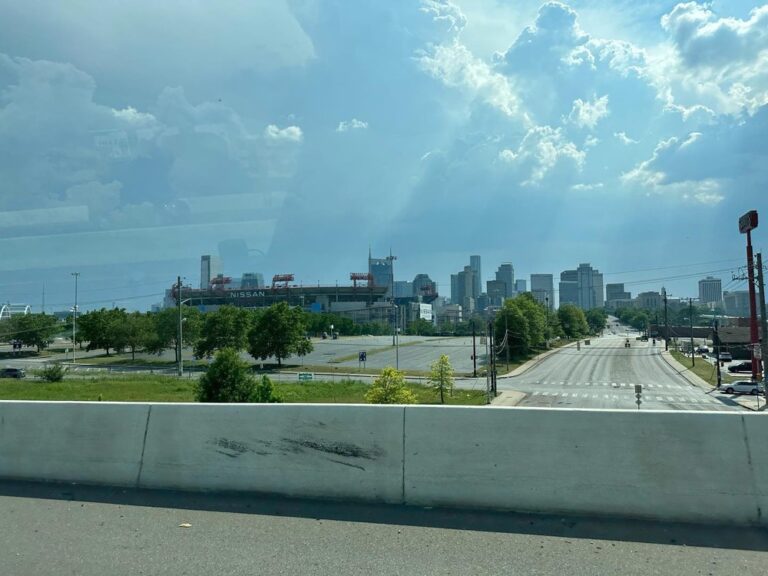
(740, 367)
(12, 373)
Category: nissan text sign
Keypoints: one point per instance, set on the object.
(748, 222)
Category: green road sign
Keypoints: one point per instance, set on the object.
(304, 376)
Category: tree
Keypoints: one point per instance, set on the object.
(572, 321)
(166, 329)
(105, 329)
(227, 327)
(389, 388)
(596, 319)
(511, 318)
(441, 376)
(138, 332)
(280, 331)
(35, 330)
(228, 379)
(420, 327)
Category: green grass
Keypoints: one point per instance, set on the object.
(702, 369)
(134, 388)
(116, 360)
(148, 388)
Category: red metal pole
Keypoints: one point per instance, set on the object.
(753, 336)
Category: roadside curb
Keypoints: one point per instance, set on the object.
(686, 373)
(509, 398)
(536, 360)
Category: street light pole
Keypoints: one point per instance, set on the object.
(391, 259)
(178, 344)
(74, 318)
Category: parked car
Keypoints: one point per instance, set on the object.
(740, 367)
(702, 350)
(742, 387)
(12, 373)
(725, 357)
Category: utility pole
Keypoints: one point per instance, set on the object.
(506, 339)
(546, 334)
(74, 318)
(717, 354)
(474, 351)
(666, 321)
(763, 322)
(488, 368)
(42, 308)
(179, 339)
(690, 313)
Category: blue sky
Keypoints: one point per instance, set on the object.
(291, 135)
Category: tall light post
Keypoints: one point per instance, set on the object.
(391, 259)
(74, 318)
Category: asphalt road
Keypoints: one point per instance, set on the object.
(49, 530)
(603, 375)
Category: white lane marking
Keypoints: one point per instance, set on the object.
(537, 393)
(568, 383)
(594, 395)
(585, 395)
(660, 398)
(606, 396)
(670, 398)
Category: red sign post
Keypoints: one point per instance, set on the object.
(747, 223)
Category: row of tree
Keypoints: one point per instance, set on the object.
(524, 325)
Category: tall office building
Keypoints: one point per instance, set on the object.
(455, 289)
(569, 288)
(521, 286)
(710, 290)
(543, 289)
(477, 287)
(506, 275)
(403, 289)
(381, 271)
(496, 291)
(209, 268)
(590, 285)
(252, 280)
(616, 292)
(466, 289)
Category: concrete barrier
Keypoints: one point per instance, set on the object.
(327, 451)
(678, 466)
(72, 441)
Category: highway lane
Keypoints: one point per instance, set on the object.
(50, 529)
(603, 375)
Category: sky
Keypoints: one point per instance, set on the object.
(290, 136)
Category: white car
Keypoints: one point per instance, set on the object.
(742, 387)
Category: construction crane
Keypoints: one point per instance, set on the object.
(361, 277)
(281, 280)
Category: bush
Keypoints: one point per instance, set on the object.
(389, 388)
(265, 391)
(227, 379)
(53, 373)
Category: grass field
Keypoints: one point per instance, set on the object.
(148, 388)
(703, 369)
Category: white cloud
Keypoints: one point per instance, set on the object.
(354, 124)
(624, 139)
(720, 62)
(587, 187)
(446, 12)
(542, 150)
(588, 114)
(287, 134)
(456, 66)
